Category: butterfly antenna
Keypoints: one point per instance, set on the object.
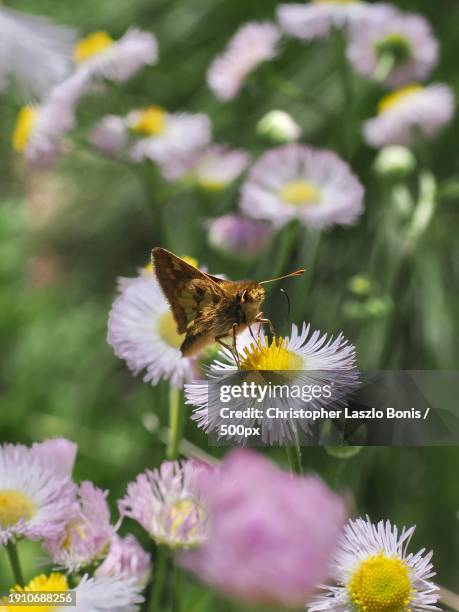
(296, 273)
(288, 302)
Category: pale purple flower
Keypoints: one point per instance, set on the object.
(212, 168)
(36, 500)
(60, 453)
(271, 533)
(126, 559)
(404, 47)
(316, 19)
(142, 331)
(88, 532)
(170, 139)
(254, 43)
(167, 502)
(52, 119)
(370, 555)
(410, 111)
(300, 182)
(121, 59)
(33, 51)
(110, 135)
(238, 236)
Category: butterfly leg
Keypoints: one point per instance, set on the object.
(263, 321)
(231, 349)
(236, 354)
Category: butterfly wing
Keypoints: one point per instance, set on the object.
(187, 289)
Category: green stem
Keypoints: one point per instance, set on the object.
(293, 453)
(287, 242)
(346, 118)
(175, 423)
(299, 458)
(176, 589)
(290, 457)
(15, 563)
(159, 579)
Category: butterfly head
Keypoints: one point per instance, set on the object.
(250, 299)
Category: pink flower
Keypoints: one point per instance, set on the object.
(167, 503)
(271, 533)
(254, 43)
(126, 559)
(88, 533)
(60, 452)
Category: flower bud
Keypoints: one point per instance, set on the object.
(395, 162)
(279, 127)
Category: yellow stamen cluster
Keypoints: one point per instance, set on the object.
(274, 356)
(24, 124)
(397, 96)
(167, 330)
(53, 583)
(13, 507)
(92, 45)
(186, 510)
(381, 584)
(300, 193)
(150, 121)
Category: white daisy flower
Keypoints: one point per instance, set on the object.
(36, 499)
(411, 110)
(33, 51)
(116, 60)
(297, 181)
(142, 331)
(40, 129)
(397, 51)
(303, 359)
(104, 594)
(254, 43)
(213, 168)
(152, 133)
(317, 19)
(374, 572)
(167, 502)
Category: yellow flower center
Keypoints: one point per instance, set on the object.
(381, 584)
(150, 122)
(397, 45)
(53, 583)
(24, 124)
(13, 507)
(91, 45)
(186, 511)
(167, 330)
(76, 528)
(274, 356)
(300, 193)
(397, 96)
(211, 185)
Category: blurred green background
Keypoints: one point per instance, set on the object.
(66, 236)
